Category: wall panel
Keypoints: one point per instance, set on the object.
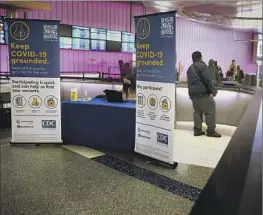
(191, 36)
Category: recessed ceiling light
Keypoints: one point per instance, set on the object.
(161, 7)
(164, 3)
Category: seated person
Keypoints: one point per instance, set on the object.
(230, 72)
(129, 86)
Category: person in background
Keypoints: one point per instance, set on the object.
(129, 91)
(240, 75)
(202, 91)
(214, 71)
(219, 71)
(221, 74)
(230, 71)
(233, 67)
(125, 71)
(215, 62)
(233, 64)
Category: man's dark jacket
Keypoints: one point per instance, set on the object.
(200, 80)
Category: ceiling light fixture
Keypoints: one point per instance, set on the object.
(164, 3)
(162, 8)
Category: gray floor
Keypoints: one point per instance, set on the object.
(53, 180)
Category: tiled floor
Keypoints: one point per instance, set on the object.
(54, 180)
(201, 151)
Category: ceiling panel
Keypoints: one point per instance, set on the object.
(231, 14)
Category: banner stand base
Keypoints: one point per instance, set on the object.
(154, 161)
(36, 144)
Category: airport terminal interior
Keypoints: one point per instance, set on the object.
(91, 153)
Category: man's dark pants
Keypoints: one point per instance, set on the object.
(204, 105)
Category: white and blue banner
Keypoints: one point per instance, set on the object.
(156, 76)
(34, 60)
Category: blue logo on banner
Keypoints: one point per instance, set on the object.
(155, 48)
(33, 48)
(49, 124)
(162, 138)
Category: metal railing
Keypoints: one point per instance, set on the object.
(85, 75)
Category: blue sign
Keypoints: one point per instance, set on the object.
(156, 48)
(33, 48)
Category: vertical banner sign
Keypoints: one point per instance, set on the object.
(35, 80)
(155, 106)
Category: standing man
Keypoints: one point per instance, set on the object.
(202, 92)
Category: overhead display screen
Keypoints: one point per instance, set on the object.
(65, 30)
(98, 45)
(80, 32)
(114, 36)
(98, 33)
(128, 47)
(81, 44)
(2, 32)
(65, 42)
(128, 37)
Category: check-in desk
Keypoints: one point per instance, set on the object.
(231, 102)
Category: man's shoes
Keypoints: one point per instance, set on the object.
(213, 134)
(199, 133)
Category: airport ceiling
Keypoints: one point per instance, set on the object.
(237, 14)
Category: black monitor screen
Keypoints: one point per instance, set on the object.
(98, 45)
(114, 35)
(98, 33)
(81, 44)
(80, 32)
(113, 46)
(128, 37)
(65, 30)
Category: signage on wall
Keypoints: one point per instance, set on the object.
(155, 108)
(35, 81)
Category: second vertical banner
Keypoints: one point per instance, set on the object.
(155, 108)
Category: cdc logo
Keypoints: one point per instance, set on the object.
(49, 124)
(162, 138)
